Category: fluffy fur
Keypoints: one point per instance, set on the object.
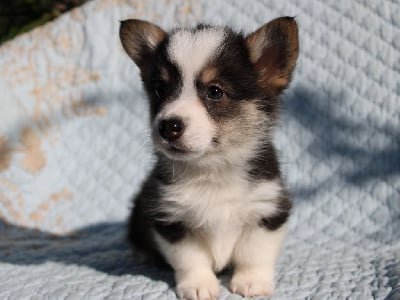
(215, 196)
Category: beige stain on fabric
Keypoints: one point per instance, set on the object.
(102, 5)
(5, 153)
(54, 88)
(8, 189)
(45, 68)
(186, 12)
(38, 215)
(34, 158)
(8, 204)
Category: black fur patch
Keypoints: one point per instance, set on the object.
(172, 232)
(265, 164)
(146, 216)
(139, 227)
(202, 26)
(152, 78)
(275, 221)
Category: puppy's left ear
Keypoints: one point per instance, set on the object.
(140, 39)
(273, 50)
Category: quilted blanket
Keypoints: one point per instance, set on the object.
(75, 147)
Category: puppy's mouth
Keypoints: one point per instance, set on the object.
(176, 149)
(177, 152)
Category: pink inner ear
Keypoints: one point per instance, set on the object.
(272, 66)
(269, 61)
(139, 38)
(274, 49)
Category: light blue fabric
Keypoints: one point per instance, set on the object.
(339, 141)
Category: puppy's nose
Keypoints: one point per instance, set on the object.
(171, 129)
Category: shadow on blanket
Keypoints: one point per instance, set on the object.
(359, 148)
(101, 247)
(363, 147)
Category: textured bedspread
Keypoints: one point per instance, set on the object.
(74, 148)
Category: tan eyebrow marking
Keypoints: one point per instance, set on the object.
(208, 74)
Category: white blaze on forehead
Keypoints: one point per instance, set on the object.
(191, 50)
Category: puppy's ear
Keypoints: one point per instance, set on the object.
(140, 39)
(273, 49)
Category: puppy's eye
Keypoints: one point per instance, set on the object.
(214, 92)
(159, 88)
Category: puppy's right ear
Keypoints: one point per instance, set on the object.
(273, 50)
(140, 39)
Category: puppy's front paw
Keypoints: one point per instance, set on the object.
(198, 285)
(251, 283)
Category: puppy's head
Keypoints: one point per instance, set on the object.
(213, 92)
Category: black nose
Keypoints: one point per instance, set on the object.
(171, 129)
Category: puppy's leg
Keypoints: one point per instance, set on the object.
(254, 257)
(195, 279)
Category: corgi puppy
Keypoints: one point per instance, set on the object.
(215, 197)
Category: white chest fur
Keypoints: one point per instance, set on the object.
(218, 207)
